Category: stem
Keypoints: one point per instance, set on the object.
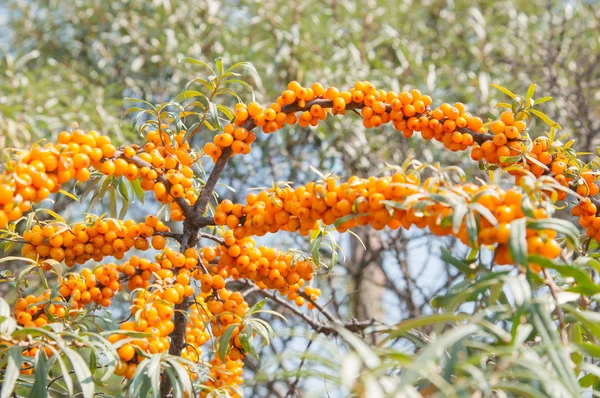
(554, 290)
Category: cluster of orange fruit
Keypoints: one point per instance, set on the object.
(269, 268)
(153, 308)
(168, 169)
(506, 140)
(238, 138)
(588, 218)
(76, 290)
(408, 111)
(225, 374)
(41, 171)
(363, 201)
(85, 241)
(31, 311)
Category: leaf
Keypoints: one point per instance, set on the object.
(403, 327)
(315, 246)
(248, 66)
(219, 62)
(457, 217)
(462, 265)
(471, 228)
(70, 195)
(517, 242)
(188, 94)
(224, 346)
(561, 226)
(41, 373)
(55, 215)
(545, 119)
(520, 289)
(542, 100)
(112, 204)
(188, 60)
(82, 372)
(505, 91)
(530, 92)
(65, 371)
(11, 373)
(588, 349)
(137, 189)
(547, 331)
(182, 376)
(257, 307)
(368, 356)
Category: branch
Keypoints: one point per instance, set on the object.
(317, 326)
(200, 206)
(211, 237)
(554, 290)
(173, 235)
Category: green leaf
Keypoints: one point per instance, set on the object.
(257, 307)
(69, 195)
(542, 100)
(224, 341)
(545, 118)
(462, 265)
(505, 91)
(188, 60)
(112, 204)
(530, 92)
(588, 349)
(547, 331)
(188, 94)
(137, 189)
(214, 116)
(472, 228)
(517, 242)
(41, 376)
(457, 217)
(11, 373)
(219, 62)
(82, 372)
(561, 226)
(400, 329)
(315, 246)
(182, 376)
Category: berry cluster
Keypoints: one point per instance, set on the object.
(380, 202)
(41, 171)
(85, 241)
(408, 111)
(76, 290)
(238, 138)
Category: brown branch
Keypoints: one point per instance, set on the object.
(173, 235)
(199, 207)
(211, 237)
(319, 327)
(554, 290)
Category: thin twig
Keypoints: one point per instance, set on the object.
(554, 290)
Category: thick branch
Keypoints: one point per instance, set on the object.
(200, 206)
